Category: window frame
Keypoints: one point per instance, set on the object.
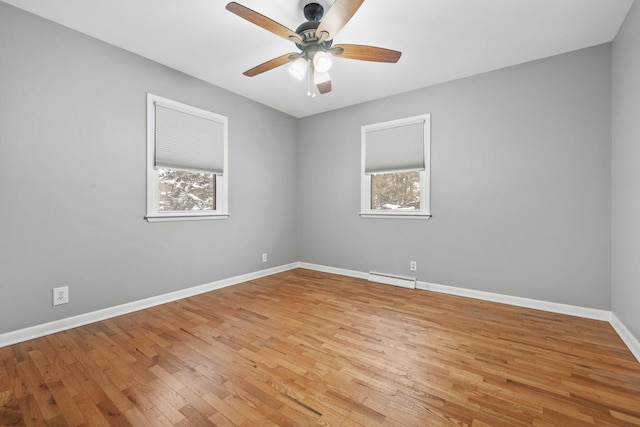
(425, 175)
(221, 180)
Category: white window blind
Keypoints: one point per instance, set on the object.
(395, 149)
(188, 141)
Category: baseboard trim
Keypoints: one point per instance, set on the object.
(554, 307)
(572, 310)
(626, 336)
(38, 331)
(589, 313)
(334, 270)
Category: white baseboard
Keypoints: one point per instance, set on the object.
(96, 316)
(626, 336)
(334, 270)
(589, 313)
(554, 307)
(37, 331)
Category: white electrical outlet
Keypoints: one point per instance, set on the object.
(264, 257)
(413, 266)
(61, 295)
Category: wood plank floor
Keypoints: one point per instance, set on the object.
(303, 348)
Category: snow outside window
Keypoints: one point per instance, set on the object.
(186, 162)
(395, 169)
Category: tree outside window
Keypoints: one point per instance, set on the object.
(395, 191)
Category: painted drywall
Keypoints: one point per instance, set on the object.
(626, 173)
(521, 184)
(521, 181)
(72, 178)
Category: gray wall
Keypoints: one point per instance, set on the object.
(626, 173)
(521, 184)
(72, 178)
(521, 181)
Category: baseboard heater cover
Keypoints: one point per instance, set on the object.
(388, 279)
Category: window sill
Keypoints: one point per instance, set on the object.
(395, 215)
(168, 218)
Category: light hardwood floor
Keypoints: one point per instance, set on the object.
(303, 348)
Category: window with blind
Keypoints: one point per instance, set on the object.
(395, 168)
(186, 162)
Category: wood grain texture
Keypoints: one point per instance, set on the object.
(303, 348)
(367, 53)
(340, 12)
(269, 65)
(262, 21)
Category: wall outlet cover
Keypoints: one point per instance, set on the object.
(61, 295)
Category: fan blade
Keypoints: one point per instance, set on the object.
(322, 81)
(337, 16)
(269, 65)
(262, 21)
(366, 53)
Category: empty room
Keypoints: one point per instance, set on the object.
(335, 213)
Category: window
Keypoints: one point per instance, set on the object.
(186, 162)
(395, 168)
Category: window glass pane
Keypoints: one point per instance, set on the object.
(181, 190)
(395, 191)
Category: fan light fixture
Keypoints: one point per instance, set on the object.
(298, 68)
(314, 39)
(321, 61)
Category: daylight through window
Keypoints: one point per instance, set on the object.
(186, 162)
(186, 191)
(395, 168)
(395, 191)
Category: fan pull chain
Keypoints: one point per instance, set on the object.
(310, 89)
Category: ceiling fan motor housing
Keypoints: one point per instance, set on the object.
(307, 30)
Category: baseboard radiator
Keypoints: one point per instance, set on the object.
(388, 279)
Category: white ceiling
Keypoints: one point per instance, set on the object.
(440, 40)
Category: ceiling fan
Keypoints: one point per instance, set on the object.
(314, 39)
